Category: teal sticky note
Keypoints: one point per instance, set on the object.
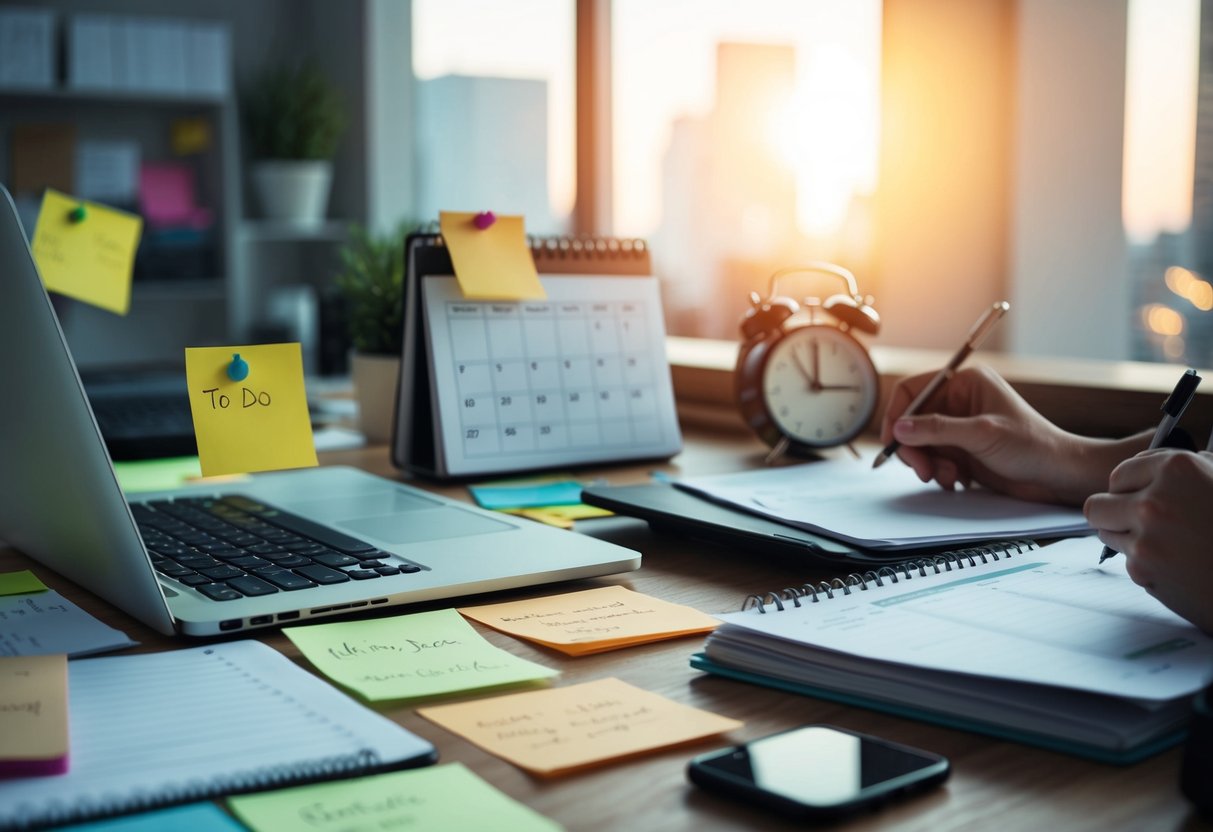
(529, 495)
(193, 817)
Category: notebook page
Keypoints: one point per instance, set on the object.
(165, 727)
(1049, 616)
(885, 508)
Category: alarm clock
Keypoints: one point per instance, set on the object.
(804, 382)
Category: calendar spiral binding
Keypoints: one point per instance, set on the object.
(568, 246)
(811, 593)
(364, 761)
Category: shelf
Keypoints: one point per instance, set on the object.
(108, 97)
(270, 231)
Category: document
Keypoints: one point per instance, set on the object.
(446, 797)
(559, 731)
(886, 508)
(412, 656)
(593, 621)
(43, 623)
(33, 715)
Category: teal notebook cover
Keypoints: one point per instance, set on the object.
(1127, 756)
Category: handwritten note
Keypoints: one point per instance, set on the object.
(45, 622)
(90, 259)
(494, 263)
(20, 583)
(446, 797)
(259, 423)
(33, 715)
(412, 656)
(593, 621)
(559, 731)
(193, 817)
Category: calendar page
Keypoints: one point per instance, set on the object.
(580, 377)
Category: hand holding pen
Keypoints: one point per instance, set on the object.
(976, 336)
(1172, 409)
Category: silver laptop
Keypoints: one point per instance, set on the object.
(276, 549)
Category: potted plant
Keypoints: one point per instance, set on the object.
(371, 281)
(294, 118)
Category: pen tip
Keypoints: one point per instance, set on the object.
(880, 459)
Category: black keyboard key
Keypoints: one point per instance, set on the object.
(174, 571)
(222, 573)
(194, 580)
(218, 592)
(288, 580)
(322, 574)
(199, 562)
(248, 562)
(409, 568)
(252, 586)
(265, 548)
(290, 561)
(362, 574)
(387, 570)
(334, 559)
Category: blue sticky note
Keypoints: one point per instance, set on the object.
(531, 495)
(193, 817)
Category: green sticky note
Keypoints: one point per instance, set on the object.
(19, 583)
(142, 475)
(412, 656)
(447, 797)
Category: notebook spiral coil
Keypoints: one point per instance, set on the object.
(107, 806)
(812, 593)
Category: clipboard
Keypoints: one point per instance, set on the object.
(502, 387)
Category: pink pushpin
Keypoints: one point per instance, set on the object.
(484, 220)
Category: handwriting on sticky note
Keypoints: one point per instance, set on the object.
(446, 797)
(89, 259)
(257, 423)
(19, 583)
(558, 731)
(33, 715)
(492, 263)
(579, 623)
(412, 656)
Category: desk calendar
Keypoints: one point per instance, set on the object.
(493, 387)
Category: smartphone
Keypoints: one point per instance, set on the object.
(818, 771)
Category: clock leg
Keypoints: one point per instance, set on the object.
(780, 448)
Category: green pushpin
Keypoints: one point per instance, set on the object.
(238, 369)
(78, 213)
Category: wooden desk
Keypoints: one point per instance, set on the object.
(994, 785)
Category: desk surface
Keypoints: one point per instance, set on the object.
(994, 784)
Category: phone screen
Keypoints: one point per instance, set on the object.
(822, 766)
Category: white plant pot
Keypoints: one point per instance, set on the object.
(293, 191)
(375, 382)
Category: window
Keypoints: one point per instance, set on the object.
(745, 139)
(495, 108)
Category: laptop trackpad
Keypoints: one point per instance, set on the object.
(419, 526)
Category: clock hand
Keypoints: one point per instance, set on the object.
(799, 361)
(837, 387)
(816, 349)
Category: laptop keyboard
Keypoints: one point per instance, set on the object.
(234, 547)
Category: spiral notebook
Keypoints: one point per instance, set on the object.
(162, 728)
(1037, 645)
(493, 387)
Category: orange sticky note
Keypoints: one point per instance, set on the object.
(559, 731)
(593, 621)
(33, 715)
(257, 423)
(492, 263)
(86, 251)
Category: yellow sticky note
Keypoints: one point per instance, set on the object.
(492, 263)
(33, 715)
(86, 251)
(593, 621)
(258, 423)
(559, 731)
(411, 656)
(20, 583)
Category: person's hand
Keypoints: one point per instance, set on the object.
(979, 430)
(1159, 512)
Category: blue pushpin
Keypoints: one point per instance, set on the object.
(238, 369)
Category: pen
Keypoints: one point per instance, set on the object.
(1172, 409)
(976, 335)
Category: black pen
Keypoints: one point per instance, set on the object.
(976, 335)
(1172, 409)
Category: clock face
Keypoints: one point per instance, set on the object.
(819, 386)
